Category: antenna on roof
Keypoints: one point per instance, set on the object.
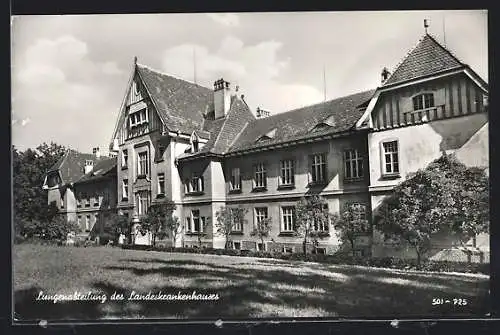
(324, 83)
(444, 32)
(426, 25)
(194, 64)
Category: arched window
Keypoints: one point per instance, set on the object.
(423, 101)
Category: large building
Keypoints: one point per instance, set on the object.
(203, 148)
(83, 187)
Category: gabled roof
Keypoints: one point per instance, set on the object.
(427, 58)
(224, 131)
(297, 124)
(181, 104)
(100, 170)
(71, 165)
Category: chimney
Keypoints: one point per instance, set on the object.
(96, 152)
(222, 98)
(262, 113)
(385, 74)
(89, 166)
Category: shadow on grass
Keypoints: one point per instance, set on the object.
(269, 290)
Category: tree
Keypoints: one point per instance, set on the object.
(155, 220)
(59, 227)
(227, 218)
(115, 224)
(173, 225)
(262, 229)
(351, 223)
(29, 170)
(445, 196)
(311, 215)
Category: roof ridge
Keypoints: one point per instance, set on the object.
(445, 49)
(407, 54)
(170, 75)
(316, 104)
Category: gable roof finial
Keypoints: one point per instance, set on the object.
(426, 25)
(135, 60)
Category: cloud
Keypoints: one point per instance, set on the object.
(256, 69)
(111, 68)
(57, 86)
(226, 19)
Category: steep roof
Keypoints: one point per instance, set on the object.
(71, 165)
(181, 104)
(342, 113)
(427, 58)
(224, 131)
(100, 170)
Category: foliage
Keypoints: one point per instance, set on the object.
(339, 258)
(155, 220)
(351, 223)
(444, 197)
(173, 225)
(115, 224)
(29, 170)
(226, 220)
(58, 228)
(311, 213)
(262, 229)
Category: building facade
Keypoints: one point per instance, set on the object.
(205, 149)
(83, 187)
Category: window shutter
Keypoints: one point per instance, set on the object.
(200, 184)
(188, 224)
(202, 224)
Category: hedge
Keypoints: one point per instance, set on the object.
(339, 258)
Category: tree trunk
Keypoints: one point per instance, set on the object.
(417, 249)
(262, 242)
(352, 248)
(304, 246)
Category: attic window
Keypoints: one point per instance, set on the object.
(89, 162)
(267, 136)
(139, 117)
(326, 123)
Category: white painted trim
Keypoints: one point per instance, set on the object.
(423, 80)
(368, 110)
(124, 103)
(472, 76)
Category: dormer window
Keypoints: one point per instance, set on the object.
(138, 118)
(89, 162)
(267, 136)
(423, 101)
(324, 124)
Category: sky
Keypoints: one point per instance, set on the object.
(70, 72)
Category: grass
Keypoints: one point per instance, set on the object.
(247, 287)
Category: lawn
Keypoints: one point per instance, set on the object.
(246, 287)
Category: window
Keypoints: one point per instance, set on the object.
(161, 183)
(353, 164)
(323, 225)
(124, 158)
(260, 214)
(195, 145)
(87, 200)
(188, 224)
(423, 101)
(318, 168)
(138, 118)
(87, 223)
(237, 245)
(237, 222)
(79, 221)
(288, 250)
(235, 182)
(143, 202)
(197, 225)
(96, 199)
(62, 201)
(288, 219)
(321, 251)
(260, 179)
(195, 185)
(391, 162)
(287, 176)
(125, 189)
(260, 247)
(359, 211)
(143, 168)
(79, 201)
